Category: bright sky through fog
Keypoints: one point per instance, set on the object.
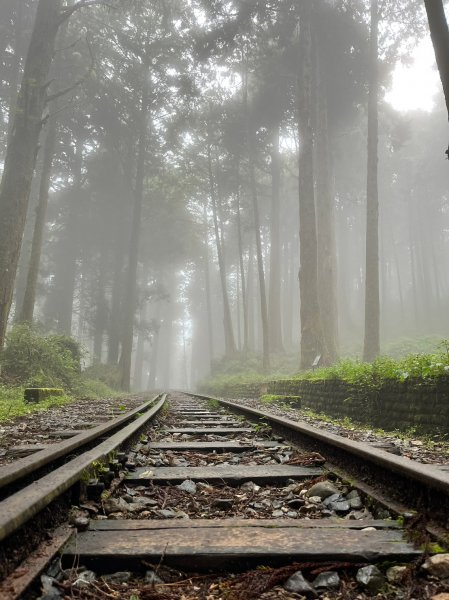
(415, 86)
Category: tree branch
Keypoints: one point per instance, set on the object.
(77, 83)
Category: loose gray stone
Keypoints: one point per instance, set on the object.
(327, 580)
(323, 489)
(333, 498)
(340, 507)
(437, 565)
(396, 573)
(276, 514)
(81, 523)
(85, 579)
(297, 584)
(113, 505)
(167, 513)
(188, 486)
(49, 591)
(371, 578)
(352, 494)
(119, 577)
(152, 578)
(355, 503)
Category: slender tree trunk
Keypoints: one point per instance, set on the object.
(371, 346)
(22, 149)
(131, 277)
(251, 146)
(210, 332)
(115, 317)
(251, 300)
(327, 247)
(230, 347)
(27, 311)
(311, 329)
(439, 32)
(274, 295)
(65, 279)
(154, 360)
(260, 267)
(242, 269)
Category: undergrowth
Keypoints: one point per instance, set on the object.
(32, 359)
(417, 368)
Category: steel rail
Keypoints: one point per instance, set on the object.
(17, 509)
(426, 474)
(23, 467)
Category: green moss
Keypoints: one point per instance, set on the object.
(12, 403)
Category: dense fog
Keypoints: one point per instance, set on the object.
(208, 184)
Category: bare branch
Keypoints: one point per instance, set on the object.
(77, 83)
(66, 14)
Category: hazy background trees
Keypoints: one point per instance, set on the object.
(202, 155)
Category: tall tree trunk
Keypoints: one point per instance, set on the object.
(311, 329)
(371, 346)
(250, 300)
(17, 60)
(251, 147)
(210, 332)
(260, 267)
(274, 295)
(327, 247)
(439, 32)
(131, 277)
(230, 347)
(22, 149)
(65, 279)
(242, 268)
(29, 299)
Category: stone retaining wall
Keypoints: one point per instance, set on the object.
(396, 405)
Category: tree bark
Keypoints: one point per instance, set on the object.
(242, 269)
(274, 294)
(439, 32)
(327, 247)
(210, 332)
(29, 299)
(371, 346)
(22, 149)
(131, 277)
(230, 347)
(260, 267)
(311, 328)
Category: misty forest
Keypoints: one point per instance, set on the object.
(211, 188)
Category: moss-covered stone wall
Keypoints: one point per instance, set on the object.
(395, 405)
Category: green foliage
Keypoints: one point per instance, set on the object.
(34, 360)
(416, 367)
(108, 374)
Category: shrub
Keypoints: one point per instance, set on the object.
(107, 374)
(32, 359)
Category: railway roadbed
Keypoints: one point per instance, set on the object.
(207, 504)
(212, 505)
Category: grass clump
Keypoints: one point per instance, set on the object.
(12, 403)
(423, 367)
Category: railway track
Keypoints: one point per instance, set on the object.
(212, 492)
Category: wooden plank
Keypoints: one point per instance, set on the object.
(157, 524)
(208, 430)
(214, 446)
(65, 433)
(207, 546)
(25, 450)
(210, 423)
(220, 474)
